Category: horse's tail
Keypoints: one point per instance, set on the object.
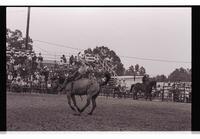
(97, 94)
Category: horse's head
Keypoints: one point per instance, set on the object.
(106, 78)
(145, 79)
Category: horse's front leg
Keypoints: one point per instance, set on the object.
(74, 102)
(69, 102)
(134, 95)
(87, 104)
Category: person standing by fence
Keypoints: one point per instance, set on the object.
(40, 60)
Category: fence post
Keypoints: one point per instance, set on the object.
(184, 92)
(172, 91)
(31, 83)
(163, 91)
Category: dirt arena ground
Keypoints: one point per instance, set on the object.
(42, 112)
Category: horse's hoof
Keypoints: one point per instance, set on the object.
(77, 114)
(81, 111)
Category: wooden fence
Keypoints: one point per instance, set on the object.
(178, 93)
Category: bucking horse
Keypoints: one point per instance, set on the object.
(90, 87)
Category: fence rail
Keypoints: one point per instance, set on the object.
(32, 89)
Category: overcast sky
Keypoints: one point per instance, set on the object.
(149, 33)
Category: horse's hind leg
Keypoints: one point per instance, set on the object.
(93, 105)
(136, 95)
(74, 102)
(69, 102)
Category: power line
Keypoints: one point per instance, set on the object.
(131, 57)
(160, 60)
(64, 46)
(53, 55)
(47, 53)
(43, 50)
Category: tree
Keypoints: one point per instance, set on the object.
(17, 51)
(137, 69)
(161, 78)
(142, 71)
(15, 40)
(88, 51)
(105, 53)
(130, 71)
(180, 74)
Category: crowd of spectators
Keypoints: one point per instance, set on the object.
(26, 71)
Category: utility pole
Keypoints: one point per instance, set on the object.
(26, 45)
(27, 27)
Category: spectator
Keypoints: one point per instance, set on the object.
(34, 64)
(79, 56)
(23, 85)
(11, 64)
(40, 60)
(23, 72)
(75, 60)
(64, 59)
(71, 59)
(29, 57)
(10, 76)
(18, 77)
(23, 58)
(19, 85)
(34, 58)
(123, 85)
(61, 62)
(14, 85)
(49, 86)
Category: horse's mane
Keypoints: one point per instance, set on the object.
(152, 83)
